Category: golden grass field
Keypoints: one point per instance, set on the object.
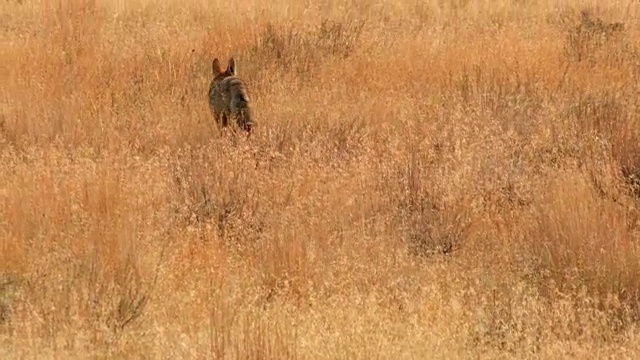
(426, 180)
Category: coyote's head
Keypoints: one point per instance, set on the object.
(219, 74)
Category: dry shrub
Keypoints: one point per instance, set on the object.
(303, 50)
(593, 36)
(581, 241)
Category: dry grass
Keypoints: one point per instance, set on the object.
(426, 180)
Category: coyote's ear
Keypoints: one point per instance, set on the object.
(231, 68)
(216, 67)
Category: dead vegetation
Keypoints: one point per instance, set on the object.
(443, 180)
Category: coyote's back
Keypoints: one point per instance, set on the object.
(228, 98)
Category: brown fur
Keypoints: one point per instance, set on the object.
(228, 98)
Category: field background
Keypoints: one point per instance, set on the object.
(427, 180)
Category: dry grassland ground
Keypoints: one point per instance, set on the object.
(426, 180)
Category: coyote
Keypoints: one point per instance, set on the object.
(228, 98)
